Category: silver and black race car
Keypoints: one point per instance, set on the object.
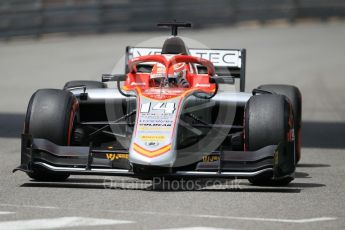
(176, 113)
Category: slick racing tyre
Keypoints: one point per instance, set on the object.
(87, 84)
(50, 115)
(266, 123)
(295, 97)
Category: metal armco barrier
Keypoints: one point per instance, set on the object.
(39, 17)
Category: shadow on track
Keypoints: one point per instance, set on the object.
(62, 185)
(302, 175)
(316, 134)
(312, 165)
(11, 124)
(170, 186)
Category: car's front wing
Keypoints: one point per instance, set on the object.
(79, 160)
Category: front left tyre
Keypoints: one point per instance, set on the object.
(51, 115)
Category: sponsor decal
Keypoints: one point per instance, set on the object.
(210, 158)
(152, 137)
(155, 124)
(202, 85)
(153, 128)
(116, 156)
(151, 143)
(225, 58)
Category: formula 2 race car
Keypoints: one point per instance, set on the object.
(174, 114)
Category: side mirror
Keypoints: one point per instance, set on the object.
(224, 79)
(260, 91)
(113, 77)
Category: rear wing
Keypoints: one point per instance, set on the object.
(226, 61)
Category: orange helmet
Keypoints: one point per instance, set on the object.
(176, 74)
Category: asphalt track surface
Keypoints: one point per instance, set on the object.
(310, 56)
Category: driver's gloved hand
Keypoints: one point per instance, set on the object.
(181, 80)
(183, 83)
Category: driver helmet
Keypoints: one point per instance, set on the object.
(176, 75)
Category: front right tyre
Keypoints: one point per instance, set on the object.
(50, 115)
(295, 97)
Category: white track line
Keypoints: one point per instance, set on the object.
(28, 206)
(6, 213)
(297, 221)
(63, 222)
(198, 228)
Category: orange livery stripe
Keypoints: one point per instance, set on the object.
(149, 153)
